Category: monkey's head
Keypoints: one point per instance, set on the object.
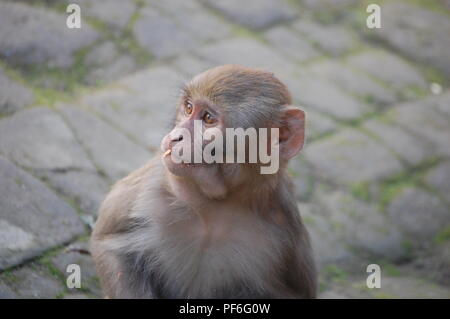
(227, 98)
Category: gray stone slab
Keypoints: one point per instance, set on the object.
(40, 140)
(411, 149)
(434, 263)
(351, 157)
(142, 104)
(328, 248)
(87, 189)
(6, 292)
(114, 13)
(13, 95)
(103, 53)
(441, 103)
(34, 282)
(302, 177)
(33, 35)
(419, 214)
(192, 65)
(333, 39)
(439, 179)
(354, 82)
(77, 296)
(320, 5)
(123, 65)
(112, 151)
(201, 23)
(32, 218)
(153, 31)
(423, 119)
(389, 68)
(291, 44)
(362, 226)
(248, 52)
(254, 14)
(321, 95)
(403, 286)
(329, 294)
(106, 63)
(416, 32)
(317, 124)
(75, 254)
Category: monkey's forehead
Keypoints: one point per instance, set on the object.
(234, 73)
(231, 83)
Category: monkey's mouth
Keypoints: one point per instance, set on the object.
(168, 152)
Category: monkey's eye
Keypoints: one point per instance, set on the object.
(188, 107)
(208, 118)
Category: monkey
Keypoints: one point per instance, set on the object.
(211, 230)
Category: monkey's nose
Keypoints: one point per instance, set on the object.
(177, 139)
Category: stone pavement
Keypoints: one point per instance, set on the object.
(80, 108)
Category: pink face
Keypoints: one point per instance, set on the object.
(197, 117)
(189, 112)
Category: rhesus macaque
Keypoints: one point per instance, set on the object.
(219, 230)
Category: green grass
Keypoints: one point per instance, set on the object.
(432, 5)
(391, 190)
(9, 277)
(390, 270)
(334, 273)
(413, 177)
(433, 75)
(361, 191)
(126, 41)
(243, 32)
(409, 249)
(443, 236)
(51, 268)
(383, 295)
(52, 85)
(49, 97)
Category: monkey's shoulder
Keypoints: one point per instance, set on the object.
(114, 212)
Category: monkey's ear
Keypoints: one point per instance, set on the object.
(292, 131)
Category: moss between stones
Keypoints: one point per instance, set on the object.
(413, 177)
(361, 191)
(443, 236)
(8, 276)
(390, 270)
(433, 75)
(436, 6)
(51, 269)
(243, 32)
(126, 41)
(334, 273)
(383, 295)
(392, 189)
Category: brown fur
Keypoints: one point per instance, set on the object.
(161, 235)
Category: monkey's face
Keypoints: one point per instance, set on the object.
(231, 98)
(188, 151)
(185, 146)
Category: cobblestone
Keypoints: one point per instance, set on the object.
(30, 35)
(80, 108)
